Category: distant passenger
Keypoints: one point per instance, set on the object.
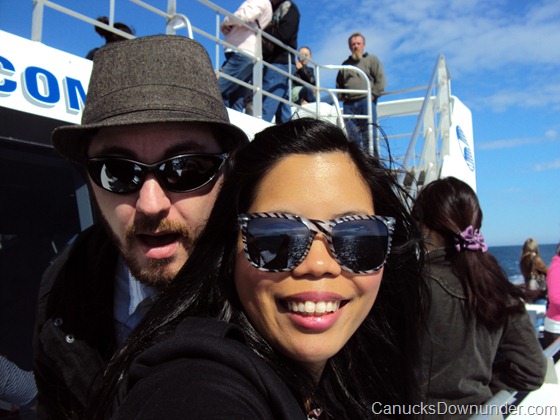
(356, 103)
(480, 338)
(303, 94)
(284, 27)
(552, 319)
(257, 14)
(108, 35)
(534, 270)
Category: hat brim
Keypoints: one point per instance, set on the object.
(72, 141)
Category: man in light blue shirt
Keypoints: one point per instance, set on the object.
(131, 301)
(155, 140)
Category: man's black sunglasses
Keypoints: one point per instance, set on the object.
(179, 174)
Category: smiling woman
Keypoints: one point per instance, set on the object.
(301, 298)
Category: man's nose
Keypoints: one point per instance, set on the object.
(153, 199)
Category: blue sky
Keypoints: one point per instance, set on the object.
(503, 56)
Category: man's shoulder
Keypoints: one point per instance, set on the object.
(371, 58)
(89, 251)
(262, 4)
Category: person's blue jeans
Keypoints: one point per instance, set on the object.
(276, 84)
(357, 128)
(239, 66)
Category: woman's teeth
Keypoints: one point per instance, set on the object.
(309, 307)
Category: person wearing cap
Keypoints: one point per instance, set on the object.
(156, 142)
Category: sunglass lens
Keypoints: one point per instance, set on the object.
(189, 172)
(361, 245)
(118, 176)
(275, 243)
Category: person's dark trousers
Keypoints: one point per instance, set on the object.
(357, 128)
(277, 84)
(241, 67)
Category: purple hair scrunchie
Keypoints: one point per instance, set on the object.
(471, 240)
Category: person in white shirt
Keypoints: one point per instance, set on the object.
(239, 61)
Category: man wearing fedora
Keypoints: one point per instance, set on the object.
(155, 142)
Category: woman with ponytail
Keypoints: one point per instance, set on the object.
(479, 337)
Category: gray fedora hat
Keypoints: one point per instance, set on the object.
(154, 79)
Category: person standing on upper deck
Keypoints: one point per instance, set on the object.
(356, 103)
(238, 64)
(284, 27)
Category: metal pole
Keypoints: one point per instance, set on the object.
(418, 126)
(37, 20)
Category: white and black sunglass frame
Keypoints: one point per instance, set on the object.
(315, 226)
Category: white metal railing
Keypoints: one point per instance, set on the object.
(493, 408)
(433, 123)
(176, 21)
(256, 84)
(433, 111)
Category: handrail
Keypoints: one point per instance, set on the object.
(552, 349)
(492, 410)
(256, 84)
(174, 21)
(504, 398)
(410, 153)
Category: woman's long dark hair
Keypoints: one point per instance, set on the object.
(378, 364)
(448, 206)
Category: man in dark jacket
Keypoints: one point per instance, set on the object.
(284, 27)
(303, 94)
(155, 140)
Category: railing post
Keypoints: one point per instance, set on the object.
(373, 148)
(37, 20)
(112, 13)
(412, 145)
(258, 77)
(171, 7)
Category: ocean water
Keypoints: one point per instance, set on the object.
(508, 257)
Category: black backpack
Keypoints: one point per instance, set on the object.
(268, 47)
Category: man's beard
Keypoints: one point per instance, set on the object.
(155, 272)
(357, 55)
